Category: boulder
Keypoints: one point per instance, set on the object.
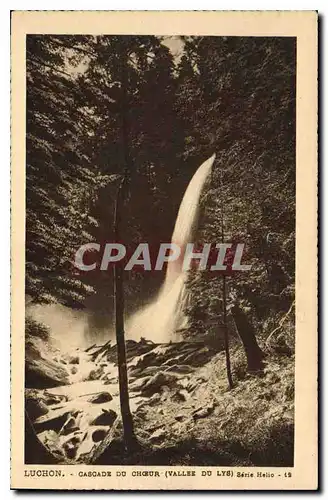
(150, 370)
(156, 383)
(98, 435)
(41, 370)
(69, 427)
(73, 360)
(53, 399)
(34, 404)
(95, 374)
(109, 380)
(135, 372)
(138, 384)
(107, 417)
(102, 397)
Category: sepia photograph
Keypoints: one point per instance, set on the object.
(159, 253)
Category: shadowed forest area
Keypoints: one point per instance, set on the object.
(162, 105)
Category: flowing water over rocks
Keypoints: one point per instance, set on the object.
(70, 420)
(182, 408)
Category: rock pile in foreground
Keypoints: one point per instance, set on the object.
(71, 420)
(183, 411)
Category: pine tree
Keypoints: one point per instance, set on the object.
(237, 95)
(61, 182)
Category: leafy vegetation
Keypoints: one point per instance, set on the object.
(231, 95)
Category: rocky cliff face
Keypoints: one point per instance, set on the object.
(43, 366)
(181, 406)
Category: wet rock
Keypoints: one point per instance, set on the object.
(138, 384)
(53, 420)
(102, 397)
(69, 427)
(108, 379)
(95, 374)
(53, 399)
(90, 348)
(34, 405)
(73, 360)
(134, 349)
(148, 359)
(107, 417)
(43, 373)
(135, 372)
(150, 370)
(98, 435)
(156, 383)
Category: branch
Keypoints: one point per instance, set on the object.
(281, 322)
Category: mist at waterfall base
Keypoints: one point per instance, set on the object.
(163, 319)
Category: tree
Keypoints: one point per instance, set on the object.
(129, 437)
(247, 335)
(61, 181)
(238, 96)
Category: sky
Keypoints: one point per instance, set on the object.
(175, 44)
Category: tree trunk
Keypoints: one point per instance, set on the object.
(224, 296)
(129, 437)
(246, 333)
(226, 333)
(128, 430)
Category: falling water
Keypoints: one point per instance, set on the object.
(162, 320)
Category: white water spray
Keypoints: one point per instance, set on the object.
(161, 320)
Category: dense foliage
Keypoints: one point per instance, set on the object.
(245, 94)
(229, 95)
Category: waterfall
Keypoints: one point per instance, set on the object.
(161, 320)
